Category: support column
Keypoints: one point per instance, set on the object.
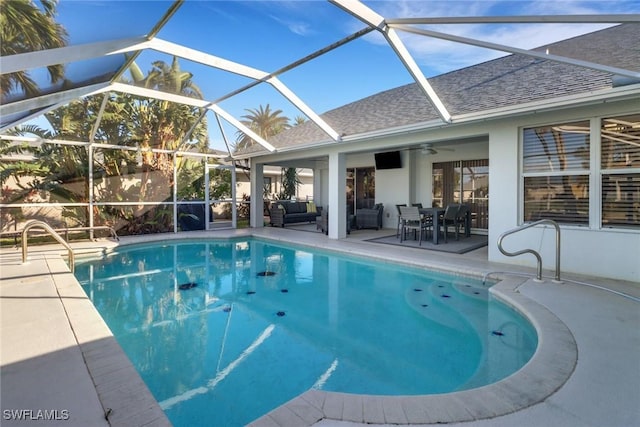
(257, 204)
(317, 186)
(337, 200)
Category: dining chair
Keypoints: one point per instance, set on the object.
(412, 220)
(399, 215)
(450, 218)
(461, 218)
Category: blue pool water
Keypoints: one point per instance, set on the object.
(224, 331)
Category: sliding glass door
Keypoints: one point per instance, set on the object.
(361, 188)
(464, 181)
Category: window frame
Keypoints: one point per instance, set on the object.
(595, 174)
(601, 172)
(556, 173)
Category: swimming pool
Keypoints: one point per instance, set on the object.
(228, 330)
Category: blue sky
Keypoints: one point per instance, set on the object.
(268, 35)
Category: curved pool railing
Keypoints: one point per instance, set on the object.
(531, 251)
(43, 225)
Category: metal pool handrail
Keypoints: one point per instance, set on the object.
(41, 224)
(531, 251)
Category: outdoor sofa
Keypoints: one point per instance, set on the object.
(286, 212)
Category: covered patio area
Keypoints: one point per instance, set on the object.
(389, 236)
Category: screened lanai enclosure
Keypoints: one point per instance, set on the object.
(133, 191)
(141, 116)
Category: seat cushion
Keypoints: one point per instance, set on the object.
(295, 207)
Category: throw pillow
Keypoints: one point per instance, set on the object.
(311, 207)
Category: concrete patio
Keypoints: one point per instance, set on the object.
(57, 354)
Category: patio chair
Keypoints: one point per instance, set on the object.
(417, 205)
(461, 217)
(412, 220)
(322, 221)
(450, 217)
(370, 218)
(399, 215)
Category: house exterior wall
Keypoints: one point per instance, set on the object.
(605, 252)
(392, 187)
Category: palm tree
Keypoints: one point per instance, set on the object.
(26, 28)
(167, 78)
(298, 120)
(263, 122)
(163, 124)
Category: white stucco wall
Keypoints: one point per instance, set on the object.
(611, 253)
(392, 187)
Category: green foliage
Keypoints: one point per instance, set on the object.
(26, 28)
(191, 179)
(61, 171)
(290, 182)
(264, 122)
(244, 209)
(220, 183)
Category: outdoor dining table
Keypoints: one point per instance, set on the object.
(437, 213)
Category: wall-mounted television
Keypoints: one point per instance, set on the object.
(388, 160)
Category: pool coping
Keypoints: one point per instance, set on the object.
(550, 367)
(124, 396)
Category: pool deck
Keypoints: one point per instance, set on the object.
(57, 355)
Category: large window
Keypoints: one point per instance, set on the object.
(576, 177)
(556, 173)
(620, 163)
(465, 181)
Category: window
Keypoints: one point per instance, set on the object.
(361, 188)
(556, 173)
(475, 191)
(620, 169)
(568, 180)
(465, 181)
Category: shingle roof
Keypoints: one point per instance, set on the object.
(507, 81)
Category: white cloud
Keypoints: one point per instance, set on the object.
(297, 27)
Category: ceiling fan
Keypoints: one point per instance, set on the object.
(427, 148)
